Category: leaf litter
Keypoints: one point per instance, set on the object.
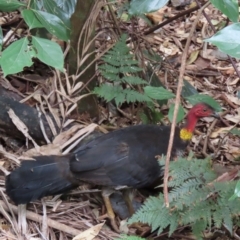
(207, 70)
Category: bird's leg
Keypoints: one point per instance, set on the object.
(105, 195)
(127, 196)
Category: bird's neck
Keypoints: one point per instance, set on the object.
(186, 132)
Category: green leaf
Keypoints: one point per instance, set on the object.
(31, 20)
(133, 80)
(53, 8)
(17, 56)
(53, 24)
(227, 7)
(235, 131)
(36, 4)
(236, 192)
(188, 89)
(196, 98)
(158, 93)
(138, 7)
(48, 52)
(10, 5)
(180, 114)
(227, 40)
(149, 116)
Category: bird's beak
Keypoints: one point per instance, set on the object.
(215, 115)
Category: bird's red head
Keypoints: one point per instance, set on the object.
(198, 111)
(201, 110)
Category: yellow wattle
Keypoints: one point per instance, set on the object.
(185, 134)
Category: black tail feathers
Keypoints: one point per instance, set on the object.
(34, 179)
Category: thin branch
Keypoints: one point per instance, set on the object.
(179, 89)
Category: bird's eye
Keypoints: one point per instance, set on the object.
(204, 109)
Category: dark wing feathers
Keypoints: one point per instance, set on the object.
(34, 179)
(124, 157)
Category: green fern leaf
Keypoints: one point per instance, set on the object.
(133, 80)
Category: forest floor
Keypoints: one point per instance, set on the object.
(82, 213)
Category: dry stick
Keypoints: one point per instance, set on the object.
(14, 31)
(114, 19)
(179, 89)
(37, 218)
(214, 30)
(183, 13)
(151, 30)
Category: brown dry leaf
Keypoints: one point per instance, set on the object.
(169, 48)
(82, 133)
(220, 131)
(202, 63)
(63, 137)
(230, 71)
(231, 82)
(90, 233)
(193, 57)
(235, 151)
(159, 15)
(21, 127)
(49, 149)
(233, 118)
(233, 99)
(227, 176)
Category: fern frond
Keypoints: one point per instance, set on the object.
(133, 80)
(119, 68)
(193, 201)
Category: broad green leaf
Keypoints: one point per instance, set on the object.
(236, 192)
(17, 56)
(31, 19)
(196, 98)
(188, 89)
(10, 5)
(235, 131)
(138, 7)
(153, 80)
(48, 52)
(180, 114)
(1, 38)
(227, 40)
(52, 7)
(158, 93)
(53, 24)
(36, 5)
(227, 7)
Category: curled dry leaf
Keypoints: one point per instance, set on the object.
(233, 118)
(233, 99)
(49, 149)
(21, 127)
(220, 131)
(63, 137)
(89, 234)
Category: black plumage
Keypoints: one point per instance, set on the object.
(126, 157)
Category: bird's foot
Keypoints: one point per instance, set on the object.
(141, 228)
(110, 213)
